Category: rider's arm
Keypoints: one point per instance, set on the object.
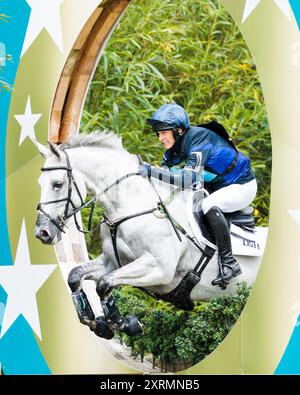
(183, 178)
(200, 148)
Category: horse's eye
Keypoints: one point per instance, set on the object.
(57, 185)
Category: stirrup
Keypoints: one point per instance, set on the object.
(223, 279)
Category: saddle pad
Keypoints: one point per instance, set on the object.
(244, 242)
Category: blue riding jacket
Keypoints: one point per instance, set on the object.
(221, 163)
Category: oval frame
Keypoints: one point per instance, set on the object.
(248, 348)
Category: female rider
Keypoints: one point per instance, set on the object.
(227, 175)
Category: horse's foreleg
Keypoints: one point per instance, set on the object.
(90, 270)
(147, 270)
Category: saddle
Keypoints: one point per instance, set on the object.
(246, 238)
(242, 218)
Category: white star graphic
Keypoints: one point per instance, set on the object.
(44, 14)
(21, 282)
(250, 6)
(27, 122)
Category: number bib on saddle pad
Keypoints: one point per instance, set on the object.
(244, 242)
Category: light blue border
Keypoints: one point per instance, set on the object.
(295, 4)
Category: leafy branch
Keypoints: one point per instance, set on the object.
(4, 18)
(7, 57)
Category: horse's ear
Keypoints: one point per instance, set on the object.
(42, 149)
(54, 149)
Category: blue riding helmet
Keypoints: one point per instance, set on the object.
(169, 116)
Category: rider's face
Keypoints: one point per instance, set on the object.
(167, 138)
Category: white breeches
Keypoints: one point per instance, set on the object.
(231, 198)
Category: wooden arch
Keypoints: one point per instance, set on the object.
(80, 67)
(65, 117)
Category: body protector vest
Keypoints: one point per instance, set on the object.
(204, 153)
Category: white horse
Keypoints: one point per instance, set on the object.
(148, 253)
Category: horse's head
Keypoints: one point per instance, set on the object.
(62, 191)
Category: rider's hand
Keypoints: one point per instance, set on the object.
(145, 170)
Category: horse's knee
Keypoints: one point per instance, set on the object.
(103, 287)
(74, 279)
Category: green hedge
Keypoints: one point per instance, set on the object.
(172, 334)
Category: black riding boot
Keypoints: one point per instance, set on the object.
(228, 266)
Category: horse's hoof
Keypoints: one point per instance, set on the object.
(131, 326)
(104, 287)
(102, 329)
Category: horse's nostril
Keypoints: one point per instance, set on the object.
(44, 234)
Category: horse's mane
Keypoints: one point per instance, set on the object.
(98, 138)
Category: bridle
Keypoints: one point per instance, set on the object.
(60, 224)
